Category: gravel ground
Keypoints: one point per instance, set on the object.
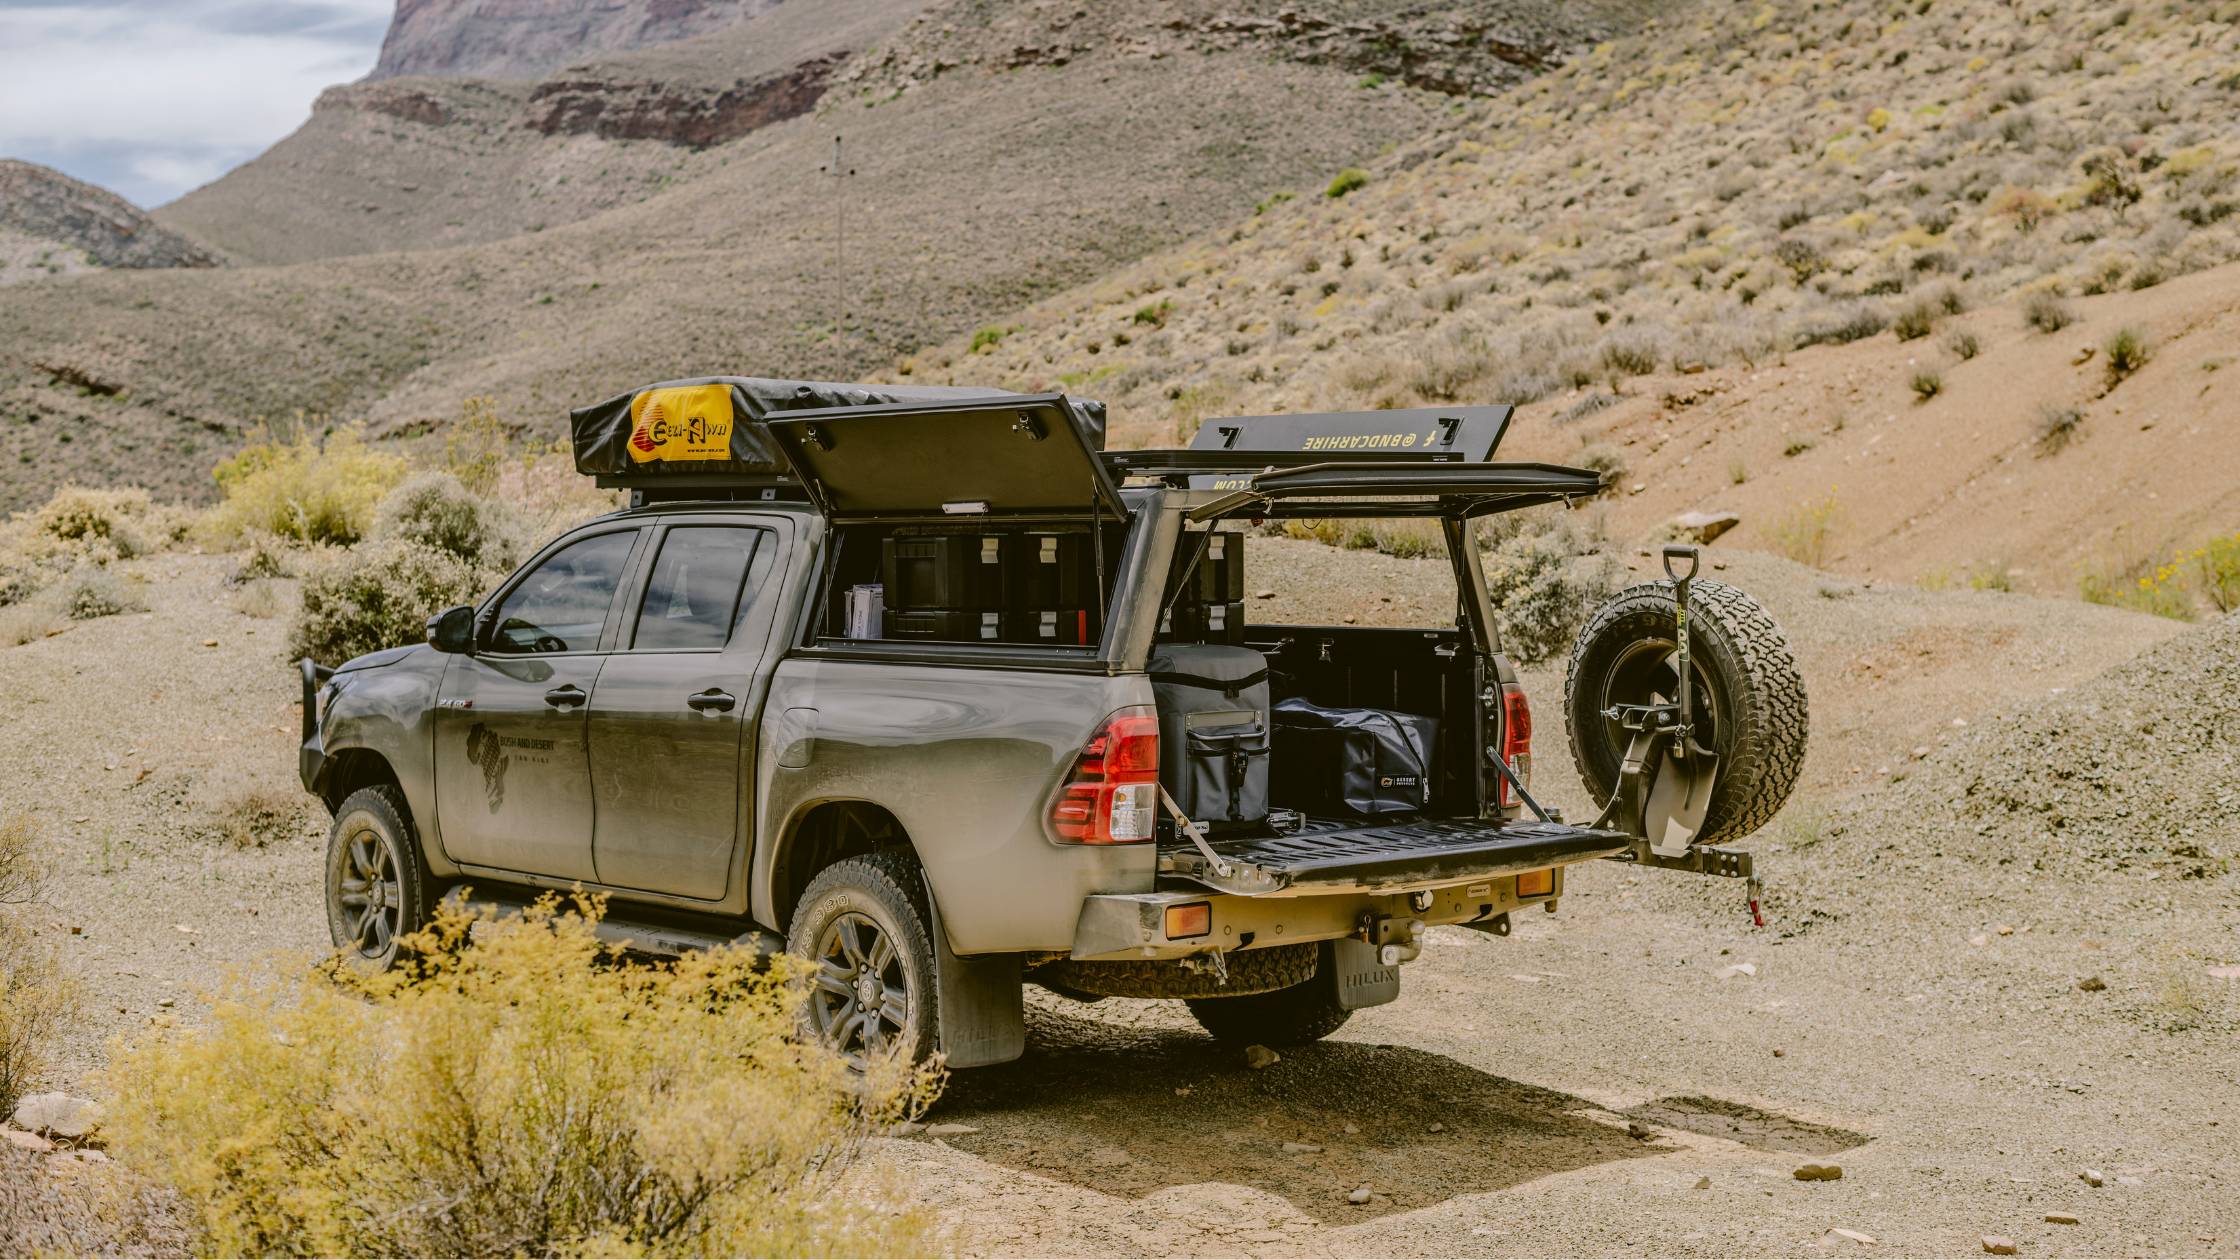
(1586, 1076)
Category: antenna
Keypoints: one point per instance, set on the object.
(839, 171)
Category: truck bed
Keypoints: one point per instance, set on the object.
(1386, 855)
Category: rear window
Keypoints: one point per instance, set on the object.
(694, 596)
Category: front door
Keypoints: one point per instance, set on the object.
(673, 721)
(513, 773)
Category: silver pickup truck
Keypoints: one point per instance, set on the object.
(740, 708)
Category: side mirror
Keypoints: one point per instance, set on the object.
(452, 630)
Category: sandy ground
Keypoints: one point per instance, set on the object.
(1639, 1073)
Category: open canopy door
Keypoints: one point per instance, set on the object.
(1387, 488)
(1019, 455)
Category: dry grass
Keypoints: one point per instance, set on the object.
(1806, 534)
(36, 999)
(245, 809)
(310, 487)
(532, 1093)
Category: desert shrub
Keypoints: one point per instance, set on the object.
(1806, 533)
(2046, 312)
(1917, 320)
(2216, 572)
(1545, 582)
(1738, 471)
(476, 445)
(124, 519)
(30, 621)
(1605, 461)
(306, 489)
(986, 339)
(264, 556)
(235, 806)
(1927, 384)
(435, 509)
(376, 596)
(2159, 591)
(2057, 426)
(533, 1094)
(1346, 181)
(262, 599)
(36, 999)
(1963, 344)
(1154, 314)
(1631, 356)
(2125, 352)
(89, 591)
(1856, 322)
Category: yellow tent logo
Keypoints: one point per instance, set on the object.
(681, 422)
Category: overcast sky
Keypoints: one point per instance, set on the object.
(149, 98)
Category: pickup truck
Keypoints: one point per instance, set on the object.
(680, 705)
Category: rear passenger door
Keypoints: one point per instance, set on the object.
(673, 720)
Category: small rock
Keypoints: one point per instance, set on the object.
(950, 1130)
(1258, 1056)
(1919, 750)
(2092, 984)
(2084, 353)
(2224, 973)
(1359, 1194)
(58, 1115)
(169, 1002)
(1702, 528)
(2061, 1218)
(28, 1141)
(1739, 969)
(1638, 1131)
(1818, 1172)
(1301, 1148)
(1780, 1053)
(1272, 595)
(2004, 929)
(1854, 1235)
(1703, 1183)
(1437, 1127)
(214, 643)
(1998, 1246)
(1351, 1127)
(1979, 940)
(1636, 488)
(2092, 1177)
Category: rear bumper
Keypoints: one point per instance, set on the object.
(1118, 926)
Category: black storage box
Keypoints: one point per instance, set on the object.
(1066, 627)
(1353, 761)
(1191, 622)
(944, 571)
(1213, 731)
(954, 625)
(1218, 575)
(1053, 568)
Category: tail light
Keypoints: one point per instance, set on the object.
(1113, 794)
(1516, 743)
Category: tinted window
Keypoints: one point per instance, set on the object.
(693, 599)
(562, 604)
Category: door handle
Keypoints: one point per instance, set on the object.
(562, 697)
(714, 698)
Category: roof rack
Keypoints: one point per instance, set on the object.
(1200, 468)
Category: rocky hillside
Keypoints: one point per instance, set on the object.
(51, 224)
(574, 256)
(519, 39)
(1683, 212)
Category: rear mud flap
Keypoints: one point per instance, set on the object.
(1355, 976)
(979, 1003)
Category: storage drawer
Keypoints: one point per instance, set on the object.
(944, 571)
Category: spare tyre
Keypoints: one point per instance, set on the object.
(1749, 697)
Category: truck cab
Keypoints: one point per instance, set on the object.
(745, 710)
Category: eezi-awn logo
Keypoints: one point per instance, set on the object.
(681, 423)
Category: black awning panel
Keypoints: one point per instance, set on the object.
(1014, 455)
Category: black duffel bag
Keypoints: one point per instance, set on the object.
(1352, 761)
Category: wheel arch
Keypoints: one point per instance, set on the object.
(350, 769)
(821, 833)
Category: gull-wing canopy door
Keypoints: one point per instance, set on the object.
(1016, 455)
(1397, 487)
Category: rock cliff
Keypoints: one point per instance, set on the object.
(520, 39)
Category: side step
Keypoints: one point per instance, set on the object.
(662, 936)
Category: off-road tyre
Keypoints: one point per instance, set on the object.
(1305, 1012)
(887, 891)
(373, 835)
(1757, 714)
(1250, 971)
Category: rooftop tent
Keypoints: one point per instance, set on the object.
(714, 427)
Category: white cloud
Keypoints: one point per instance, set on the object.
(152, 97)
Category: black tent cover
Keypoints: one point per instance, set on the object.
(712, 425)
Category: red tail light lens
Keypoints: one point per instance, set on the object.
(1516, 743)
(1113, 795)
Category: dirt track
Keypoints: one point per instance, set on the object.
(1960, 1085)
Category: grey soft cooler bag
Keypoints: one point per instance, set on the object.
(1213, 730)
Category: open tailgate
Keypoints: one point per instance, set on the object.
(1386, 857)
